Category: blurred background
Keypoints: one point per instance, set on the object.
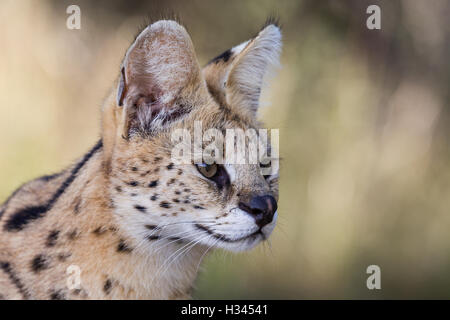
(364, 121)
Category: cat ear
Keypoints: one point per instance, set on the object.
(237, 76)
(158, 74)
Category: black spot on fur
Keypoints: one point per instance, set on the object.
(111, 204)
(107, 286)
(176, 200)
(73, 234)
(171, 181)
(154, 197)
(170, 166)
(187, 190)
(133, 183)
(6, 267)
(152, 237)
(64, 256)
(118, 188)
(133, 194)
(177, 192)
(180, 172)
(99, 231)
(123, 247)
(76, 292)
(153, 184)
(76, 209)
(198, 207)
(20, 219)
(57, 295)
(224, 56)
(39, 263)
(134, 169)
(151, 226)
(164, 204)
(145, 173)
(157, 159)
(140, 208)
(52, 238)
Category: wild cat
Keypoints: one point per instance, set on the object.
(125, 220)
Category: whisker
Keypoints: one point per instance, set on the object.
(168, 261)
(206, 251)
(189, 233)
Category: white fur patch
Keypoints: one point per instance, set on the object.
(231, 172)
(237, 49)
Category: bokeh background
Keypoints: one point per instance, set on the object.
(364, 121)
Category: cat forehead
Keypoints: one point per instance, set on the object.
(221, 117)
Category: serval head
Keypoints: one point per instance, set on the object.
(163, 96)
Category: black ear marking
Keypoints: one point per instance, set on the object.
(224, 56)
(121, 90)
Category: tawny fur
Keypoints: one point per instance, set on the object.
(100, 214)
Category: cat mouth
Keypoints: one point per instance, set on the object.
(224, 238)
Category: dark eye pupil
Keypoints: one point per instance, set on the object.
(216, 173)
(264, 166)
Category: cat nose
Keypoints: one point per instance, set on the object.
(262, 208)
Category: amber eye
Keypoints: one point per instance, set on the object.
(207, 170)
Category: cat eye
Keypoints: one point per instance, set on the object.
(216, 173)
(264, 167)
(208, 170)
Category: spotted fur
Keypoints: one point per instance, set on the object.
(134, 222)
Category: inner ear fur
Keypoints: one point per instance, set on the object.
(158, 72)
